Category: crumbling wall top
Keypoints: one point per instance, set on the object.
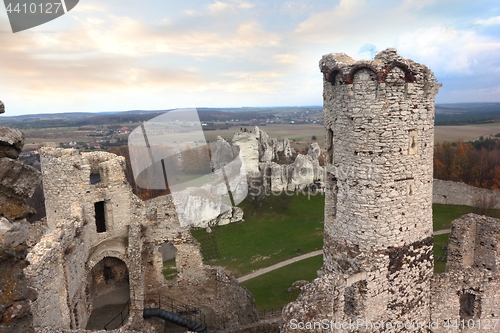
(385, 61)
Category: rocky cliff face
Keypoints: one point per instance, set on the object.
(17, 182)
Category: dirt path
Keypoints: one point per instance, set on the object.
(302, 257)
(279, 265)
(442, 232)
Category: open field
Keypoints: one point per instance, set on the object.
(300, 135)
(268, 238)
(465, 132)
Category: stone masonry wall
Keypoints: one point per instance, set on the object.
(124, 233)
(454, 193)
(467, 295)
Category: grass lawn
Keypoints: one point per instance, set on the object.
(169, 269)
(271, 290)
(443, 215)
(439, 242)
(269, 237)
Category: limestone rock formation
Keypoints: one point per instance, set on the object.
(249, 150)
(272, 159)
(17, 182)
(2, 107)
(11, 142)
(223, 153)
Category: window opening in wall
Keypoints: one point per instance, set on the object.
(95, 178)
(108, 274)
(100, 220)
(469, 306)
(329, 145)
(353, 298)
(412, 147)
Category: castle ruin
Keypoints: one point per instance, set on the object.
(103, 247)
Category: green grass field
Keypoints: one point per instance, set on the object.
(271, 290)
(268, 237)
(439, 242)
(169, 269)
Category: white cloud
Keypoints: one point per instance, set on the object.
(86, 7)
(452, 51)
(488, 22)
(331, 25)
(220, 8)
(490, 94)
(286, 58)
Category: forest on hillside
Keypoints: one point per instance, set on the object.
(474, 163)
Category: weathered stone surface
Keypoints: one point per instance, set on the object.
(11, 142)
(302, 172)
(15, 233)
(314, 150)
(249, 150)
(469, 289)
(272, 159)
(223, 153)
(17, 182)
(378, 265)
(454, 193)
(15, 313)
(2, 107)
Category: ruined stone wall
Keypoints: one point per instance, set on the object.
(467, 295)
(471, 295)
(89, 218)
(86, 257)
(454, 193)
(474, 243)
(379, 118)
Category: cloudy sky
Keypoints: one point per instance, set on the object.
(123, 55)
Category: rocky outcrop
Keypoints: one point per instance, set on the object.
(17, 182)
(272, 159)
(11, 142)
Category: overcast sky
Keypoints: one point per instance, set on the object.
(114, 55)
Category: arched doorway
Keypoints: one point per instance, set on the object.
(108, 290)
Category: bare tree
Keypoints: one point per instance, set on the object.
(256, 193)
(282, 202)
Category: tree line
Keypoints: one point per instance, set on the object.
(474, 163)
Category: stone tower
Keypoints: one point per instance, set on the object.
(378, 262)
